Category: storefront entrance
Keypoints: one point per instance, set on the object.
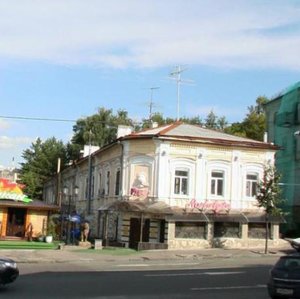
(135, 232)
(16, 222)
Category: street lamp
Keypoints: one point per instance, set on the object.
(66, 193)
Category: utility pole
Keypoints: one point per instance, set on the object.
(90, 174)
(176, 75)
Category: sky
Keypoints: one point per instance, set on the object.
(62, 60)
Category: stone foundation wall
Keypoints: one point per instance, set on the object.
(188, 244)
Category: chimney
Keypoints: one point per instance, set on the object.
(154, 125)
(123, 131)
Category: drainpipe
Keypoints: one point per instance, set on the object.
(122, 165)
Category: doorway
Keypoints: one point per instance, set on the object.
(135, 232)
(16, 222)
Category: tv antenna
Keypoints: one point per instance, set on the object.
(176, 75)
(151, 104)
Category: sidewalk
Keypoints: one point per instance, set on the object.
(76, 254)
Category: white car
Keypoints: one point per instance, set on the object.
(295, 243)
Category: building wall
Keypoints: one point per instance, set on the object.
(200, 161)
(283, 120)
(38, 220)
(148, 173)
(3, 219)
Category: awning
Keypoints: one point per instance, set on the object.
(190, 217)
(230, 217)
(34, 205)
(261, 218)
(158, 207)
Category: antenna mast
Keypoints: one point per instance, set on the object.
(151, 104)
(176, 75)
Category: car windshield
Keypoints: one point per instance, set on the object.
(288, 264)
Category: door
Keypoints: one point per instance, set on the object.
(134, 235)
(162, 231)
(16, 222)
(146, 230)
(135, 232)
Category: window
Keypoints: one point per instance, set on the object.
(251, 184)
(190, 230)
(86, 188)
(92, 187)
(117, 187)
(258, 231)
(107, 182)
(181, 182)
(217, 183)
(226, 229)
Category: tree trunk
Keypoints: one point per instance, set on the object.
(267, 233)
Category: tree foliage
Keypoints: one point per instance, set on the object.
(269, 191)
(40, 162)
(212, 121)
(254, 124)
(98, 129)
(269, 196)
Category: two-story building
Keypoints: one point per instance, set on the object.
(174, 186)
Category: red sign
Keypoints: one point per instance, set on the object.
(210, 205)
(139, 192)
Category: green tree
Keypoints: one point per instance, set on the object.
(155, 118)
(211, 120)
(269, 196)
(40, 163)
(99, 129)
(254, 124)
(215, 122)
(196, 120)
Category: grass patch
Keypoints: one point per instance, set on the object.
(27, 245)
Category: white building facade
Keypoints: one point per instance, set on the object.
(176, 186)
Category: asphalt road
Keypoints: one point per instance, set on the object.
(80, 281)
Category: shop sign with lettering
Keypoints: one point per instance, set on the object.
(209, 205)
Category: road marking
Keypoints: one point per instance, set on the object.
(134, 265)
(229, 288)
(152, 265)
(194, 274)
(223, 273)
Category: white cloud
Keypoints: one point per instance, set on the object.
(142, 33)
(12, 142)
(4, 125)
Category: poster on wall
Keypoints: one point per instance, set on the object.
(140, 182)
